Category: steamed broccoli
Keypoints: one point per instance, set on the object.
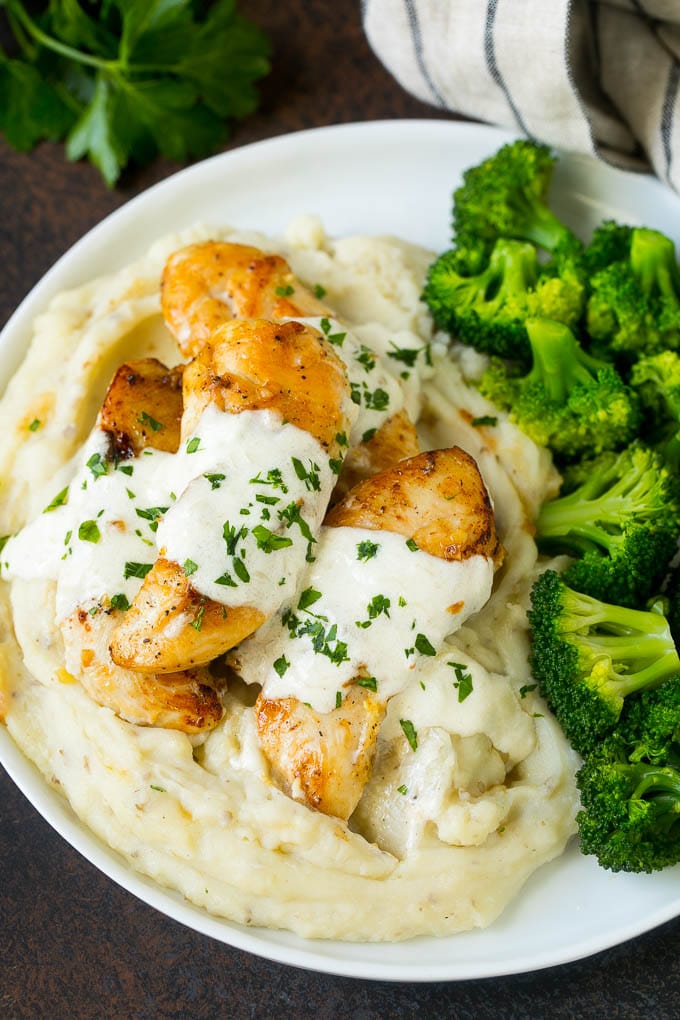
(657, 381)
(630, 787)
(588, 656)
(634, 306)
(488, 310)
(610, 243)
(505, 196)
(569, 400)
(622, 523)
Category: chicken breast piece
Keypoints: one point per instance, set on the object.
(439, 500)
(322, 760)
(186, 701)
(250, 365)
(204, 285)
(143, 408)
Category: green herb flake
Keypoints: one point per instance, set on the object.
(120, 601)
(406, 355)
(402, 602)
(338, 699)
(146, 419)
(368, 435)
(485, 419)
(198, 622)
(215, 480)
(158, 789)
(367, 550)
(97, 466)
(335, 338)
(365, 357)
(89, 532)
(241, 570)
(308, 597)
(189, 567)
(133, 569)
(61, 499)
(284, 291)
(127, 469)
(412, 545)
(424, 646)
(527, 689)
(268, 541)
(35, 425)
(335, 465)
(403, 790)
(273, 478)
(310, 475)
(341, 439)
(410, 733)
(319, 291)
(379, 605)
(281, 665)
(369, 682)
(226, 580)
(193, 444)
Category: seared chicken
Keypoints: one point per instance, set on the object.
(143, 408)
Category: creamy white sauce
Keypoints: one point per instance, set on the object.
(375, 391)
(239, 506)
(369, 605)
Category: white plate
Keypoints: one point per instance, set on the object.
(390, 177)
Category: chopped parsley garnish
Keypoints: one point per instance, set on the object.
(61, 499)
(335, 338)
(377, 606)
(35, 425)
(527, 689)
(269, 542)
(226, 579)
(215, 480)
(406, 355)
(151, 514)
(403, 790)
(67, 538)
(412, 544)
(410, 733)
(97, 465)
(120, 602)
(127, 469)
(291, 515)
(89, 532)
(146, 419)
(189, 567)
(366, 358)
(341, 439)
(193, 444)
(273, 478)
(424, 646)
(241, 570)
(338, 699)
(485, 419)
(319, 291)
(5, 539)
(369, 682)
(463, 681)
(368, 435)
(402, 602)
(232, 536)
(367, 550)
(308, 597)
(335, 465)
(281, 665)
(158, 789)
(374, 400)
(270, 500)
(130, 493)
(285, 291)
(198, 622)
(133, 569)
(310, 476)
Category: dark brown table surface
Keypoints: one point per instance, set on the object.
(73, 944)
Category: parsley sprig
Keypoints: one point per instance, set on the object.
(123, 79)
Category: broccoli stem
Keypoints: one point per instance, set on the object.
(652, 259)
(654, 777)
(559, 360)
(539, 224)
(516, 267)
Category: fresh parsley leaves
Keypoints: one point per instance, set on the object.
(123, 80)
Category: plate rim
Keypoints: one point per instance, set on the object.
(267, 943)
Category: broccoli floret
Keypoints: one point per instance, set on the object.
(489, 310)
(622, 523)
(610, 243)
(569, 401)
(588, 656)
(630, 787)
(634, 307)
(506, 196)
(656, 379)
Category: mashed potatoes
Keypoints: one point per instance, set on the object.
(446, 833)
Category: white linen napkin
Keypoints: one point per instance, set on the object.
(595, 76)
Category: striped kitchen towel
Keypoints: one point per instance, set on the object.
(595, 76)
